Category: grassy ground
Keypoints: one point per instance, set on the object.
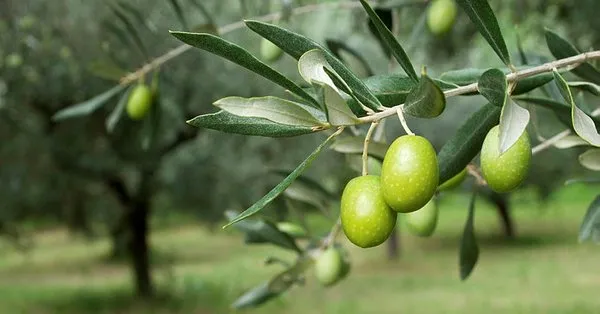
(544, 271)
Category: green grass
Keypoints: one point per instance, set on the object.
(545, 270)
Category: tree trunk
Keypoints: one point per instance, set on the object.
(139, 248)
(393, 245)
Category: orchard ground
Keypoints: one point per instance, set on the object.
(544, 271)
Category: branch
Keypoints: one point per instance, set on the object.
(549, 142)
(570, 62)
(173, 53)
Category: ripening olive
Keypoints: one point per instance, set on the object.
(422, 222)
(410, 173)
(505, 172)
(269, 51)
(454, 181)
(291, 229)
(329, 266)
(367, 220)
(441, 16)
(139, 102)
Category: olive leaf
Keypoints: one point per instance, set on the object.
(513, 122)
(117, 112)
(591, 159)
(493, 86)
(469, 251)
(590, 226)
(355, 145)
(263, 231)
(586, 86)
(311, 66)
(338, 112)
(87, 107)
(561, 48)
(349, 55)
(469, 76)
(426, 100)
(570, 141)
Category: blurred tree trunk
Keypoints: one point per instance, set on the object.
(138, 247)
(503, 207)
(393, 245)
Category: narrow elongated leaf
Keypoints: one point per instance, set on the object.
(131, 30)
(311, 67)
(466, 143)
(338, 112)
(562, 110)
(469, 251)
(391, 42)
(240, 56)
(137, 14)
(582, 124)
(561, 48)
(296, 45)
(271, 108)
(471, 75)
(87, 107)
(481, 14)
(338, 48)
(513, 122)
(426, 100)
(390, 89)
(590, 159)
(226, 122)
(263, 231)
(493, 86)
(355, 144)
(586, 86)
(277, 190)
(309, 182)
(591, 221)
(107, 69)
(570, 141)
(117, 112)
(305, 194)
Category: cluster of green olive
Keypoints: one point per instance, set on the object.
(408, 182)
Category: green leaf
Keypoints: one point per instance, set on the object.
(466, 143)
(570, 141)
(586, 86)
(591, 159)
(481, 14)
(528, 84)
(493, 86)
(135, 12)
(262, 231)
(296, 45)
(226, 122)
(277, 190)
(561, 48)
(107, 69)
(582, 124)
(117, 112)
(391, 42)
(306, 181)
(179, 13)
(131, 30)
(426, 100)
(513, 122)
(522, 54)
(390, 89)
(306, 194)
(338, 112)
(562, 110)
(590, 226)
(87, 107)
(469, 251)
(471, 75)
(240, 56)
(271, 108)
(355, 144)
(343, 52)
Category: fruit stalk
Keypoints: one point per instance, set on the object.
(365, 154)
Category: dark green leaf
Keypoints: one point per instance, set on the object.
(179, 13)
(591, 221)
(87, 107)
(355, 105)
(466, 143)
(562, 111)
(393, 44)
(471, 75)
(586, 86)
(226, 122)
(492, 85)
(582, 124)
(131, 30)
(117, 112)
(426, 100)
(262, 231)
(338, 47)
(355, 144)
(513, 122)
(528, 84)
(296, 45)
(469, 251)
(277, 190)
(240, 56)
(390, 89)
(561, 48)
(481, 14)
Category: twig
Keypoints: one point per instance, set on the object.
(474, 171)
(365, 154)
(549, 142)
(512, 77)
(400, 113)
(175, 52)
(335, 230)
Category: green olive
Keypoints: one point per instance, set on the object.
(291, 229)
(441, 16)
(139, 102)
(454, 181)
(422, 222)
(329, 266)
(367, 220)
(505, 172)
(410, 173)
(269, 51)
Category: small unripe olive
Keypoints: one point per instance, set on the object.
(291, 229)
(410, 173)
(139, 102)
(367, 220)
(329, 266)
(505, 172)
(441, 15)
(269, 51)
(454, 181)
(422, 222)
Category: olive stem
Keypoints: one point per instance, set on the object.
(549, 142)
(403, 121)
(365, 154)
(569, 63)
(335, 230)
(474, 172)
(175, 52)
